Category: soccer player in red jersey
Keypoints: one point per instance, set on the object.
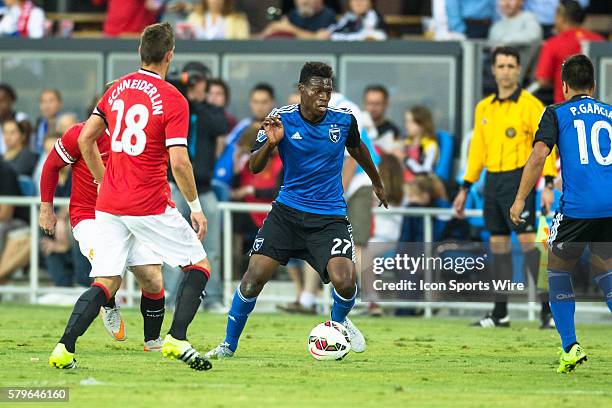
(148, 120)
(144, 263)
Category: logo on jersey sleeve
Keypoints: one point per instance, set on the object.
(334, 133)
(257, 244)
(261, 136)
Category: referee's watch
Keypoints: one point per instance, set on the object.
(465, 186)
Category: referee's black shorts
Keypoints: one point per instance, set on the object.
(499, 193)
(291, 233)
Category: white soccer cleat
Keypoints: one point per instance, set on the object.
(220, 352)
(113, 323)
(153, 345)
(358, 343)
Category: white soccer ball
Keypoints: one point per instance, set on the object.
(329, 341)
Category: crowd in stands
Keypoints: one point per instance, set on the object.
(515, 21)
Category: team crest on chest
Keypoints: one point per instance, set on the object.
(334, 133)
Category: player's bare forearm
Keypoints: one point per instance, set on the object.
(532, 170)
(259, 159)
(362, 156)
(183, 172)
(93, 129)
(348, 171)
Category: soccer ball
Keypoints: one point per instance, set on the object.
(329, 341)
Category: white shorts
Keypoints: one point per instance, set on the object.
(168, 235)
(86, 233)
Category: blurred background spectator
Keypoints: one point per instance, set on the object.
(376, 103)
(50, 105)
(128, 17)
(361, 22)
(18, 154)
(516, 26)
(216, 20)
(8, 97)
(22, 18)
(310, 19)
(421, 150)
(14, 226)
(470, 18)
(568, 25)
(218, 94)
(545, 11)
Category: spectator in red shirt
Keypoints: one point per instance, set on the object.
(568, 25)
(128, 17)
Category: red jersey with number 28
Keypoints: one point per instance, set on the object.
(145, 115)
(84, 190)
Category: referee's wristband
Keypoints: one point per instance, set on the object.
(195, 205)
(549, 182)
(466, 185)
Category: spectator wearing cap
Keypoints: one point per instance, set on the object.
(8, 97)
(516, 26)
(217, 20)
(568, 25)
(22, 19)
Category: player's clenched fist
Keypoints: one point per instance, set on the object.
(199, 223)
(274, 129)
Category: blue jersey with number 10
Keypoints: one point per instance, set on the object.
(582, 130)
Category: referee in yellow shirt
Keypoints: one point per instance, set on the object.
(505, 124)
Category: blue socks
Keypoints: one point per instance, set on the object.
(563, 305)
(604, 281)
(237, 318)
(342, 306)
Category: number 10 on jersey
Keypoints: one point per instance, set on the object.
(582, 142)
(133, 138)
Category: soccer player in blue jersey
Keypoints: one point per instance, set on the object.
(308, 219)
(581, 128)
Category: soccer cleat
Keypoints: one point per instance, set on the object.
(297, 307)
(220, 352)
(113, 323)
(358, 343)
(182, 350)
(62, 358)
(547, 321)
(153, 345)
(492, 321)
(568, 361)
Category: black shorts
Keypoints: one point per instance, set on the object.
(499, 193)
(569, 236)
(290, 233)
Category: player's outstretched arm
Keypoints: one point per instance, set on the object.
(362, 155)
(48, 184)
(531, 174)
(273, 126)
(93, 129)
(182, 171)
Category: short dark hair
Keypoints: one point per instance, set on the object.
(505, 50)
(315, 69)
(155, 41)
(9, 91)
(377, 88)
(54, 91)
(221, 83)
(578, 72)
(572, 11)
(264, 87)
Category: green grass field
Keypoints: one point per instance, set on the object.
(409, 362)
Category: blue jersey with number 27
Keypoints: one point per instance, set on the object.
(582, 130)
